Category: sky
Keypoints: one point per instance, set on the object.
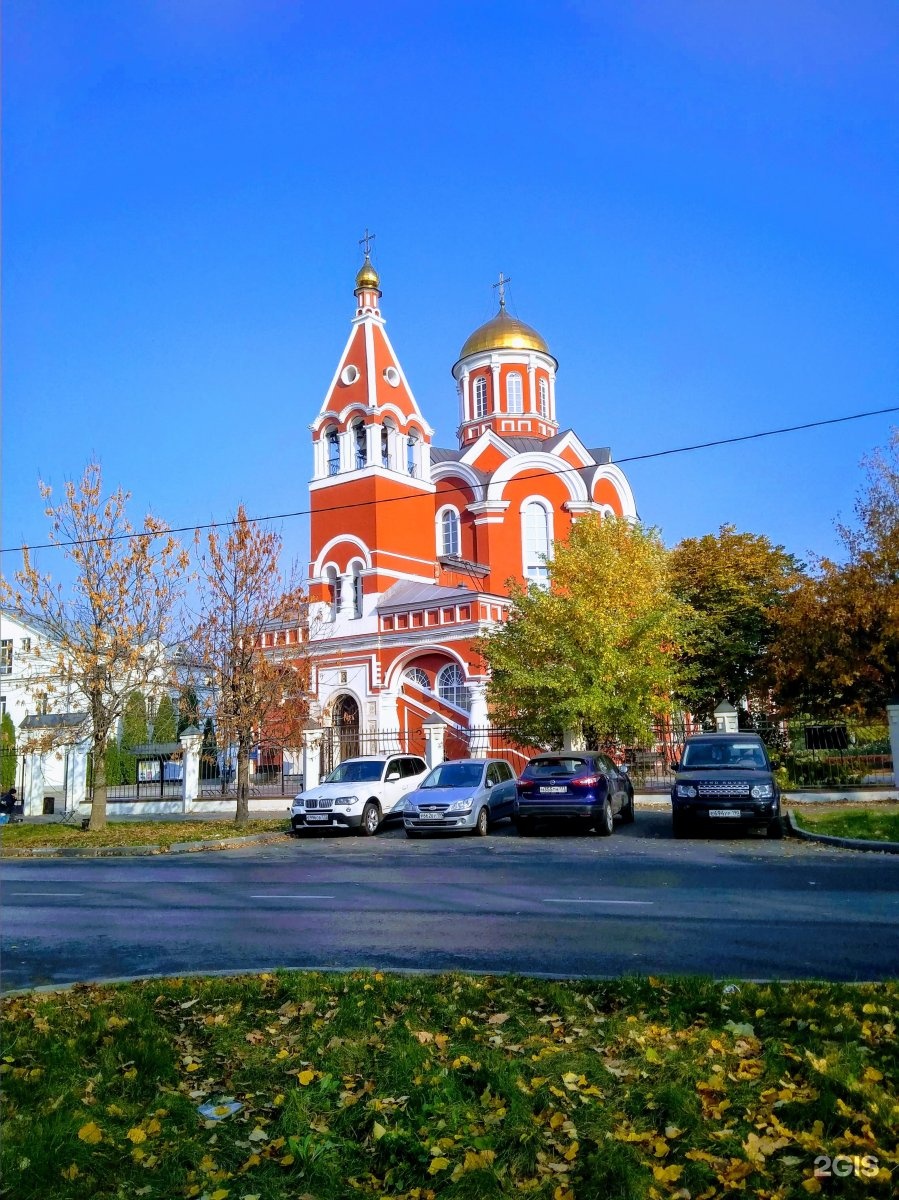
(697, 203)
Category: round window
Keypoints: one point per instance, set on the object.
(392, 375)
(349, 374)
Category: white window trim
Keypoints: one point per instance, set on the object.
(477, 411)
(526, 561)
(441, 512)
(438, 684)
(519, 405)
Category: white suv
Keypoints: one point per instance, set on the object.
(359, 794)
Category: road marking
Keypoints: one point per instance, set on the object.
(270, 896)
(639, 903)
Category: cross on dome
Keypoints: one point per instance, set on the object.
(366, 241)
(501, 284)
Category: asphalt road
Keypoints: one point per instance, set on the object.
(561, 905)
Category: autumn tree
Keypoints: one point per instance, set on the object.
(165, 723)
(188, 709)
(594, 652)
(836, 643)
(107, 632)
(244, 596)
(733, 584)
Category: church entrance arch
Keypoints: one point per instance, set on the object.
(346, 723)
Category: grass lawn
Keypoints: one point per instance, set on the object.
(419, 1087)
(129, 833)
(879, 823)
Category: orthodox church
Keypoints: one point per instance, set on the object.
(412, 544)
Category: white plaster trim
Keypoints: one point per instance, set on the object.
(341, 539)
(572, 442)
(414, 481)
(487, 438)
(530, 460)
(619, 480)
(336, 377)
(371, 381)
(394, 671)
(448, 468)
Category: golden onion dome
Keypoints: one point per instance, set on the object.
(503, 332)
(367, 276)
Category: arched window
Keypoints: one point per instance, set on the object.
(385, 445)
(514, 400)
(357, 589)
(333, 592)
(536, 542)
(412, 454)
(333, 441)
(448, 542)
(452, 688)
(360, 442)
(419, 677)
(543, 398)
(480, 397)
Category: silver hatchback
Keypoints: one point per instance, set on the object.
(466, 794)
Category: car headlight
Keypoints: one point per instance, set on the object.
(460, 806)
(687, 790)
(410, 805)
(762, 791)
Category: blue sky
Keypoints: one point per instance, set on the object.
(697, 203)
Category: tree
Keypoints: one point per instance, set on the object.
(244, 596)
(165, 725)
(188, 709)
(836, 646)
(733, 584)
(108, 631)
(208, 751)
(7, 752)
(595, 652)
(135, 732)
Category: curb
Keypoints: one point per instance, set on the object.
(845, 843)
(252, 839)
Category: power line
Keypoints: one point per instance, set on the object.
(305, 512)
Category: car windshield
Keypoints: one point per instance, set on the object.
(356, 772)
(711, 753)
(543, 768)
(454, 775)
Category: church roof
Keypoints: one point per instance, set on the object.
(503, 332)
(407, 594)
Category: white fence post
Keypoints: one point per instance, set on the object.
(435, 737)
(312, 750)
(573, 739)
(191, 740)
(893, 720)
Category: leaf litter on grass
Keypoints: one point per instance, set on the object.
(416, 1088)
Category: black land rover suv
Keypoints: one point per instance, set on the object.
(725, 779)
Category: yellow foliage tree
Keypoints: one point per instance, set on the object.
(243, 596)
(110, 631)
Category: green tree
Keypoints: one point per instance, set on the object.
(165, 724)
(733, 584)
(7, 752)
(114, 764)
(188, 709)
(595, 652)
(208, 751)
(135, 732)
(836, 644)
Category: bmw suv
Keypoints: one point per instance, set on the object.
(727, 780)
(359, 794)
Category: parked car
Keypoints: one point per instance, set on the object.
(359, 794)
(726, 779)
(464, 794)
(584, 788)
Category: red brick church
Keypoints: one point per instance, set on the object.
(412, 544)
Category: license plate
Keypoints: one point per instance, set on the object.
(548, 791)
(431, 816)
(724, 812)
(318, 816)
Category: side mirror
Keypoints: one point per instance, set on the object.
(674, 764)
(392, 775)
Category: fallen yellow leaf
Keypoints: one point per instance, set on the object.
(378, 1131)
(438, 1164)
(136, 1135)
(305, 1077)
(90, 1133)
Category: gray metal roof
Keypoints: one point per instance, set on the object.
(405, 594)
(54, 720)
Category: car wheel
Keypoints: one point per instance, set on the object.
(627, 813)
(371, 819)
(482, 824)
(606, 822)
(679, 826)
(775, 829)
